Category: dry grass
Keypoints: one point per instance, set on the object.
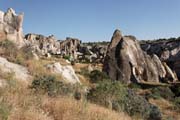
(64, 108)
(166, 107)
(23, 104)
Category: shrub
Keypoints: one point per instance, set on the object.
(176, 90)
(8, 49)
(138, 105)
(97, 76)
(116, 96)
(50, 85)
(154, 113)
(109, 94)
(134, 86)
(162, 92)
(176, 103)
(67, 57)
(24, 54)
(4, 111)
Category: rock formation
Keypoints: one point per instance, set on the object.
(41, 44)
(20, 72)
(70, 47)
(94, 53)
(125, 61)
(167, 50)
(67, 72)
(11, 27)
(50, 45)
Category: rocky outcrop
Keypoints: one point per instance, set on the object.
(167, 50)
(11, 27)
(94, 53)
(70, 47)
(67, 72)
(50, 45)
(41, 44)
(19, 72)
(125, 61)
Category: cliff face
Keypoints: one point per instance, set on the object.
(167, 50)
(11, 26)
(126, 61)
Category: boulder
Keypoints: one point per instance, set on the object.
(126, 61)
(20, 72)
(67, 72)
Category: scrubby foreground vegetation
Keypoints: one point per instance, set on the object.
(46, 96)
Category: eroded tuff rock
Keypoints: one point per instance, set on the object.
(19, 72)
(50, 45)
(11, 27)
(94, 53)
(125, 61)
(67, 72)
(70, 46)
(167, 50)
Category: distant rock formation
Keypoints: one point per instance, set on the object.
(167, 50)
(125, 61)
(70, 47)
(50, 45)
(93, 53)
(11, 27)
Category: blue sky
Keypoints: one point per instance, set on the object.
(95, 20)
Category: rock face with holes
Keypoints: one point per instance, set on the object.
(126, 61)
(11, 27)
(41, 44)
(50, 45)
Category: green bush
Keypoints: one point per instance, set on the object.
(115, 95)
(4, 111)
(176, 90)
(154, 113)
(136, 105)
(134, 86)
(97, 76)
(109, 94)
(177, 103)
(50, 85)
(67, 57)
(162, 92)
(8, 49)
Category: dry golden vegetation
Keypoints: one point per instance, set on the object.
(18, 102)
(166, 108)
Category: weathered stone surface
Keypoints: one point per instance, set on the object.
(167, 50)
(70, 47)
(20, 72)
(50, 45)
(11, 27)
(67, 72)
(93, 52)
(125, 61)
